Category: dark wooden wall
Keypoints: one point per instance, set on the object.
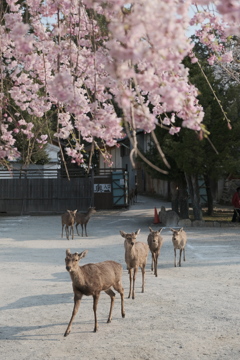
(24, 192)
(36, 196)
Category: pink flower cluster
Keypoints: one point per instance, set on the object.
(63, 58)
(213, 34)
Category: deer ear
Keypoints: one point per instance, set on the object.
(160, 230)
(68, 252)
(123, 233)
(172, 230)
(83, 254)
(137, 232)
(150, 228)
(74, 212)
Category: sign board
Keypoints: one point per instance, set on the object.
(102, 188)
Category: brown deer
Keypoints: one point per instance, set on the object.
(179, 240)
(136, 254)
(132, 196)
(155, 242)
(168, 217)
(68, 220)
(91, 279)
(83, 219)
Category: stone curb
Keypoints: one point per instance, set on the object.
(202, 223)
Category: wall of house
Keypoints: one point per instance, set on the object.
(127, 165)
(157, 186)
(52, 152)
(228, 189)
(116, 159)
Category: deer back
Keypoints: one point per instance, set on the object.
(82, 218)
(68, 218)
(93, 278)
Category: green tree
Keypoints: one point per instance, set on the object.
(212, 157)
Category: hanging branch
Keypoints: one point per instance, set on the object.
(90, 157)
(159, 149)
(214, 94)
(58, 110)
(152, 133)
(135, 151)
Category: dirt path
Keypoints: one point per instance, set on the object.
(187, 313)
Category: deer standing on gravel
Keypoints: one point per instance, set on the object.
(155, 242)
(136, 254)
(83, 219)
(91, 279)
(68, 220)
(179, 240)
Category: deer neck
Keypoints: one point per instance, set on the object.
(77, 276)
(131, 251)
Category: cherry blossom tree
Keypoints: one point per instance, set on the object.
(84, 58)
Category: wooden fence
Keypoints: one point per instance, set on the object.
(31, 194)
(24, 192)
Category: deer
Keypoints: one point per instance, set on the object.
(68, 220)
(168, 217)
(179, 239)
(83, 219)
(136, 254)
(91, 279)
(133, 196)
(155, 242)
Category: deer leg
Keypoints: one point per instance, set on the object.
(77, 300)
(119, 288)
(77, 229)
(122, 302)
(155, 268)
(95, 302)
(156, 264)
(85, 225)
(72, 232)
(67, 232)
(143, 276)
(175, 254)
(180, 255)
(82, 229)
(130, 281)
(152, 262)
(112, 296)
(184, 259)
(135, 270)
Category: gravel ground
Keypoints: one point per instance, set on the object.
(186, 313)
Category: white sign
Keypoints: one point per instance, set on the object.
(102, 188)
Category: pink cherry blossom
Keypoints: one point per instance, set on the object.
(70, 64)
(174, 130)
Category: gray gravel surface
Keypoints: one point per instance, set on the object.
(186, 313)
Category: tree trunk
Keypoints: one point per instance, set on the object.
(174, 195)
(207, 181)
(179, 198)
(193, 188)
(183, 200)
